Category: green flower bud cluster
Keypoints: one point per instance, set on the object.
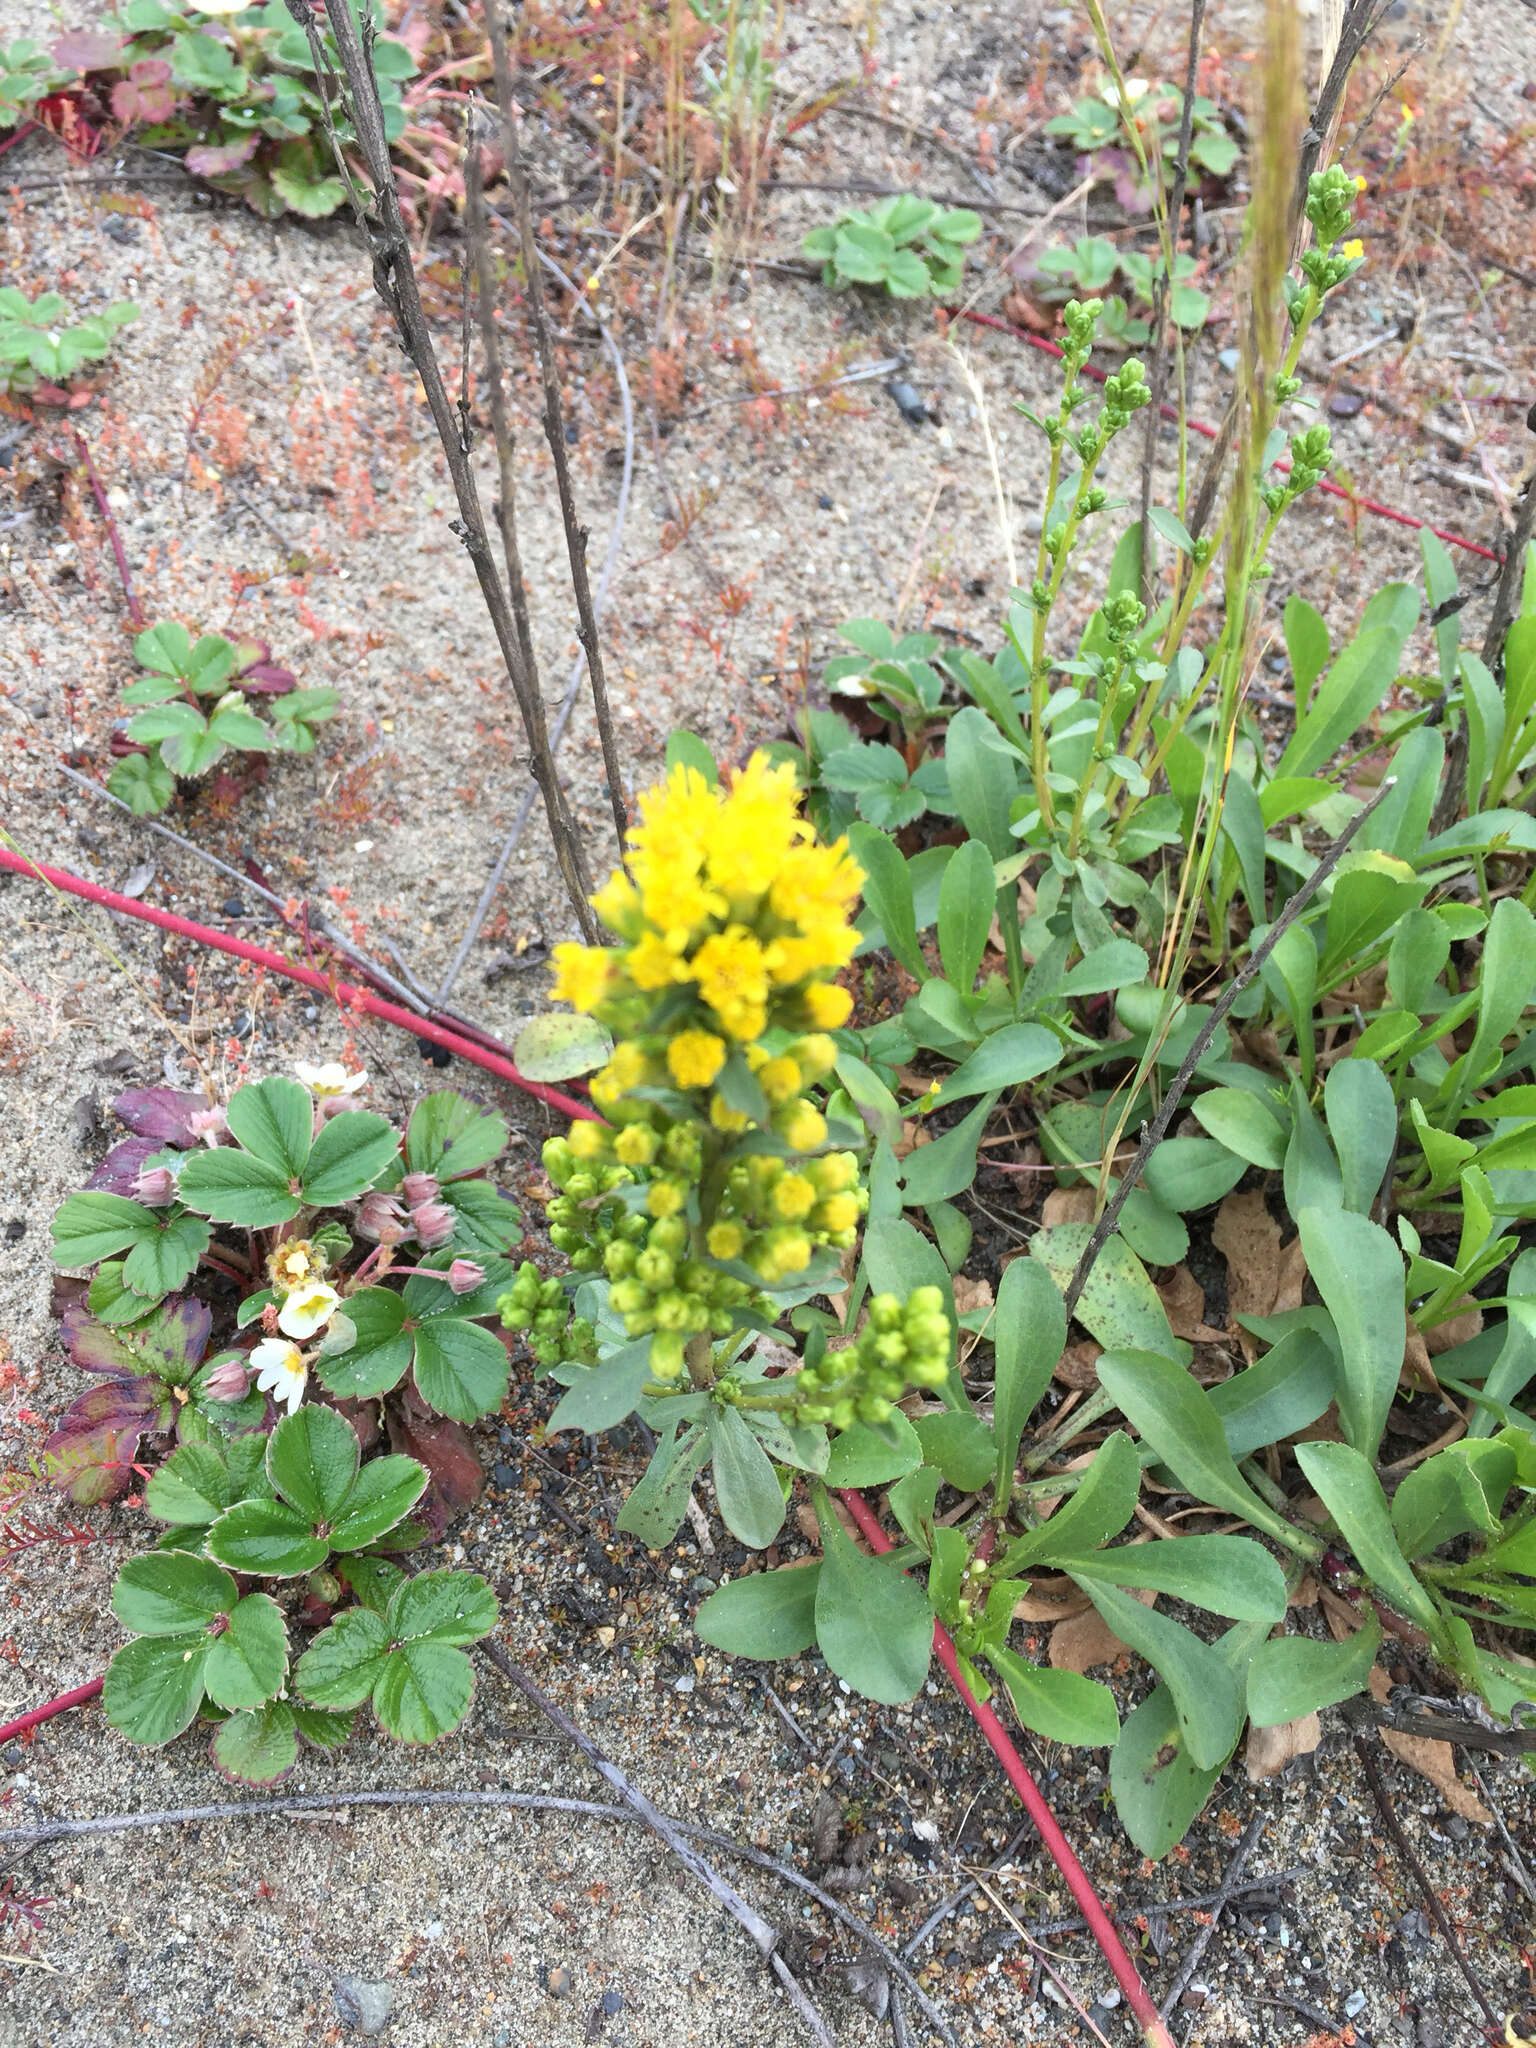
(1080, 317)
(903, 1344)
(586, 1211)
(1331, 204)
(1311, 454)
(662, 1292)
(1124, 617)
(542, 1310)
(1124, 395)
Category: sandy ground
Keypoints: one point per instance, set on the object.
(271, 472)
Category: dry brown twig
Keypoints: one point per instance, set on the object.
(394, 279)
(554, 412)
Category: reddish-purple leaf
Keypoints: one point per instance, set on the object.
(215, 160)
(66, 1293)
(162, 1113)
(89, 1455)
(265, 677)
(456, 1478)
(120, 1169)
(170, 1345)
(363, 1416)
(88, 49)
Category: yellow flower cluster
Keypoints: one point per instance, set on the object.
(729, 896)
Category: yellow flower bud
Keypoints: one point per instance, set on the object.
(794, 1197)
(588, 1140)
(804, 1128)
(779, 1080)
(827, 1005)
(816, 1053)
(694, 1058)
(725, 1240)
(665, 1198)
(837, 1213)
(635, 1146)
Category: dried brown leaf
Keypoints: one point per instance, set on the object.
(1269, 1750)
(1435, 1761)
(1183, 1300)
(1264, 1277)
(1087, 1640)
(1078, 1366)
(1459, 1330)
(971, 1294)
(1417, 1371)
(1051, 1599)
(1068, 1205)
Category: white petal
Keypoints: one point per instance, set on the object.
(307, 1309)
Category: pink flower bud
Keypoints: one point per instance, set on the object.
(155, 1186)
(208, 1124)
(227, 1382)
(433, 1224)
(335, 1105)
(418, 1188)
(465, 1275)
(269, 1319)
(380, 1218)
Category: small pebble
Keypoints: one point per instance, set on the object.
(613, 2001)
(1353, 2004)
(363, 2004)
(557, 1981)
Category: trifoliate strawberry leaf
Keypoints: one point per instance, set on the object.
(384, 1494)
(268, 1539)
(348, 1156)
(447, 1607)
(373, 1579)
(248, 1661)
(312, 1460)
(447, 1135)
(89, 1455)
(154, 1687)
(166, 1593)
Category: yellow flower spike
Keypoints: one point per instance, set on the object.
(584, 975)
(779, 1080)
(588, 1140)
(827, 1005)
(694, 1058)
(732, 972)
(725, 1240)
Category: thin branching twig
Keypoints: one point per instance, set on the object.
(40, 1834)
(1230, 1883)
(394, 279)
(482, 909)
(1154, 1132)
(554, 412)
(1432, 1903)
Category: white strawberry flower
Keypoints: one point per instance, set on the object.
(281, 1371)
(307, 1308)
(330, 1079)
